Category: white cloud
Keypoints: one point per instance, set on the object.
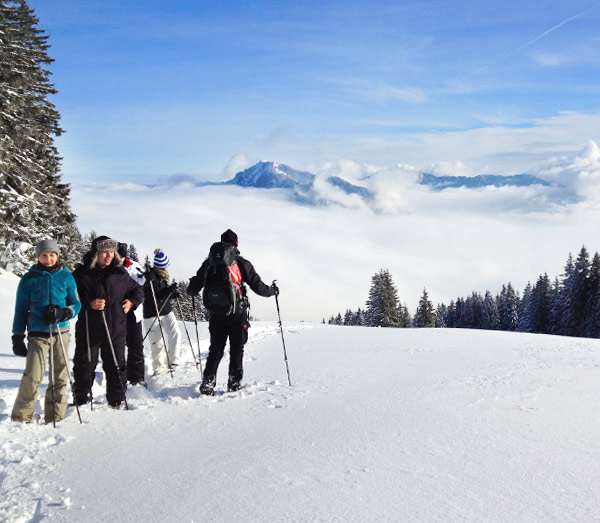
(236, 163)
(452, 242)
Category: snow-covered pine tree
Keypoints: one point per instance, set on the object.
(507, 303)
(132, 253)
(349, 317)
(540, 306)
(382, 304)
(524, 321)
(404, 317)
(187, 304)
(34, 203)
(490, 320)
(359, 318)
(424, 317)
(592, 312)
(573, 296)
(441, 313)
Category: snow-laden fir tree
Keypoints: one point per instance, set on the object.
(490, 320)
(382, 304)
(540, 306)
(425, 316)
(187, 304)
(507, 303)
(132, 253)
(572, 296)
(524, 321)
(34, 203)
(592, 309)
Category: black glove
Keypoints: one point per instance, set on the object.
(174, 290)
(54, 314)
(274, 289)
(19, 347)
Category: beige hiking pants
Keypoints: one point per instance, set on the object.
(38, 352)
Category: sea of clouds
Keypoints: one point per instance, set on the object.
(451, 242)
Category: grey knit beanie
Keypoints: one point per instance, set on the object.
(46, 245)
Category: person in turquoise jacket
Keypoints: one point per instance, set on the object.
(46, 300)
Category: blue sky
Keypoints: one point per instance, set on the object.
(150, 88)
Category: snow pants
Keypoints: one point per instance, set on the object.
(38, 352)
(85, 361)
(172, 333)
(235, 328)
(135, 349)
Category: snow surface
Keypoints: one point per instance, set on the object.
(379, 425)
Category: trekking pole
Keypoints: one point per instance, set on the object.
(62, 345)
(154, 321)
(282, 339)
(51, 379)
(186, 331)
(89, 347)
(114, 354)
(160, 324)
(197, 335)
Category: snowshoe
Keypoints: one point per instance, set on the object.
(233, 385)
(207, 387)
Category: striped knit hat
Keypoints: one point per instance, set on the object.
(161, 260)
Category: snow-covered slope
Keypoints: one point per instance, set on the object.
(379, 425)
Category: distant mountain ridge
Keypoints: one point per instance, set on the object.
(440, 183)
(301, 184)
(271, 175)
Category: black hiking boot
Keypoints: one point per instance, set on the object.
(233, 385)
(80, 399)
(207, 387)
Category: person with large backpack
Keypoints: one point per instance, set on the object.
(223, 276)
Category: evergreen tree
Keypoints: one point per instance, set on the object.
(507, 303)
(404, 318)
(491, 318)
(450, 319)
(573, 296)
(592, 307)
(349, 317)
(359, 318)
(559, 306)
(382, 305)
(132, 253)
(186, 302)
(441, 313)
(524, 321)
(34, 203)
(424, 317)
(540, 306)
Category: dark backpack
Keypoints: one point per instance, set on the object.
(223, 291)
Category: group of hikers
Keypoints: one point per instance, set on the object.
(111, 296)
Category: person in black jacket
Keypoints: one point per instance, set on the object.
(233, 325)
(165, 328)
(107, 294)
